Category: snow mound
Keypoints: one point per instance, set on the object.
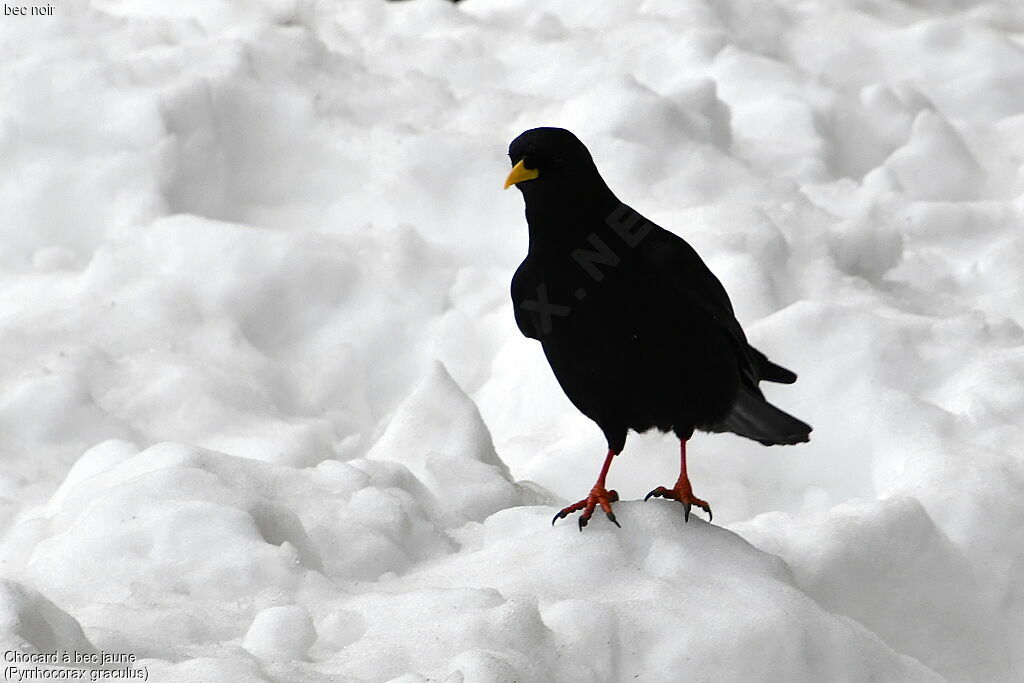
(878, 562)
(263, 565)
(31, 624)
(657, 598)
(282, 632)
(437, 433)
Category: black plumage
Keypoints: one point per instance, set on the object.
(638, 331)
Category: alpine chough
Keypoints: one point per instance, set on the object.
(638, 331)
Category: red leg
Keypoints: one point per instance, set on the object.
(682, 490)
(598, 496)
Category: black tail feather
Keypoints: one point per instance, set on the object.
(753, 417)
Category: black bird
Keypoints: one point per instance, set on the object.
(638, 331)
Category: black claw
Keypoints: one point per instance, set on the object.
(710, 516)
(648, 496)
(686, 512)
(556, 518)
(614, 521)
(583, 522)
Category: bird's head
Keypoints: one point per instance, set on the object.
(550, 161)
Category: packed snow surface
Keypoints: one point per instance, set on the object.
(265, 414)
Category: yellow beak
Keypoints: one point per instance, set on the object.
(519, 174)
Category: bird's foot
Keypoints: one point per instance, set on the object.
(684, 494)
(598, 496)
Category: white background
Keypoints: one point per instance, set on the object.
(263, 405)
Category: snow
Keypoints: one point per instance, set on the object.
(266, 416)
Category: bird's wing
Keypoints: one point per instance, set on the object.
(772, 372)
(521, 285)
(681, 269)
